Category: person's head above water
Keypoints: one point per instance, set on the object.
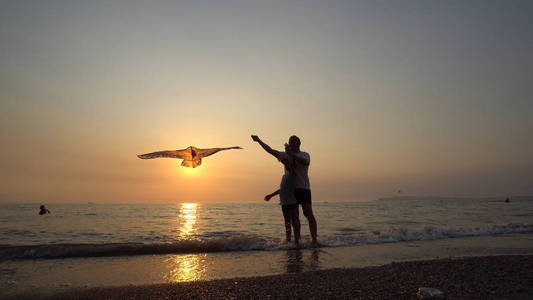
(294, 142)
(43, 210)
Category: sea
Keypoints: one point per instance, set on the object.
(227, 239)
(79, 230)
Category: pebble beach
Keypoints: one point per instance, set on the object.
(487, 277)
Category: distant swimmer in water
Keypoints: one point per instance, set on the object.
(43, 210)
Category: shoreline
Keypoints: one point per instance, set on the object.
(43, 277)
(474, 277)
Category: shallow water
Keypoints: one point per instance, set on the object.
(79, 230)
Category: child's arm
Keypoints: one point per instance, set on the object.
(267, 197)
(290, 160)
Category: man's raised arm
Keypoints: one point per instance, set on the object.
(267, 148)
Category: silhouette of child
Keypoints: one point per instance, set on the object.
(289, 204)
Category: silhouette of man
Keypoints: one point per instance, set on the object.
(301, 168)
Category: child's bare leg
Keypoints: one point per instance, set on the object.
(287, 216)
(295, 220)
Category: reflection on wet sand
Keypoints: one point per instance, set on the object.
(295, 263)
(188, 267)
(314, 263)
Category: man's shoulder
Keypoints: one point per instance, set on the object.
(303, 154)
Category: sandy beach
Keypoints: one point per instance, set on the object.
(487, 277)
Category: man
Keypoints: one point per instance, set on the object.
(301, 168)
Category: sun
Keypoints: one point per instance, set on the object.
(190, 172)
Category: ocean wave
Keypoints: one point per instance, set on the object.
(427, 233)
(248, 243)
(238, 243)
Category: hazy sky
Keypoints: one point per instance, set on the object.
(430, 97)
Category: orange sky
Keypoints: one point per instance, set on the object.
(424, 97)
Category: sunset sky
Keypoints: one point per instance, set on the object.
(427, 97)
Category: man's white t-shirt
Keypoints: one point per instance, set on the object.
(300, 170)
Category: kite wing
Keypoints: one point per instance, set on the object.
(206, 152)
(183, 154)
(192, 156)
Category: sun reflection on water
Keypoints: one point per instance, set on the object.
(187, 219)
(186, 267)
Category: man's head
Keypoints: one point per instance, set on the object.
(294, 143)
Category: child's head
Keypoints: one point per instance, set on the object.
(287, 148)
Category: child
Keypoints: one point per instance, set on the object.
(289, 205)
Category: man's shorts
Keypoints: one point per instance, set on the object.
(289, 206)
(303, 196)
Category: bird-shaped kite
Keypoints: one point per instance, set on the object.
(192, 156)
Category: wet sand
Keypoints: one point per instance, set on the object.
(488, 277)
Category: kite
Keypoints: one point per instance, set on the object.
(192, 156)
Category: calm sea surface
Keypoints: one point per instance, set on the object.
(79, 230)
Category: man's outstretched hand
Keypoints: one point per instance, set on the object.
(267, 148)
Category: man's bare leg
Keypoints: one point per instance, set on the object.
(308, 213)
